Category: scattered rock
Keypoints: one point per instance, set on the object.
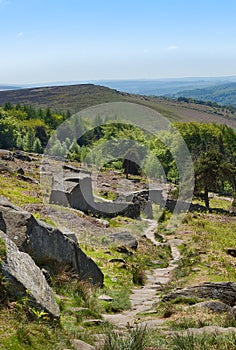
(223, 291)
(21, 156)
(214, 306)
(20, 171)
(124, 250)
(231, 251)
(24, 277)
(94, 322)
(196, 269)
(117, 260)
(5, 169)
(6, 154)
(105, 297)
(27, 179)
(102, 222)
(45, 243)
(78, 309)
(106, 185)
(80, 345)
(125, 238)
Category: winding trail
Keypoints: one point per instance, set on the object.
(144, 299)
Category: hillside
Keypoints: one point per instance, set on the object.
(77, 97)
(160, 87)
(224, 94)
(139, 281)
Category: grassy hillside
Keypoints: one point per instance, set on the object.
(77, 97)
(224, 94)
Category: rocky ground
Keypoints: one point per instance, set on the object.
(144, 300)
(201, 266)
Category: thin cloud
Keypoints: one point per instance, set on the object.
(19, 34)
(172, 47)
(4, 2)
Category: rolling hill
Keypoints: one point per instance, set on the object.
(224, 94)
(160, 87)
(77, 97)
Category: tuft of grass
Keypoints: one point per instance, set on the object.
(135, 339)
(189, 341)
(203, 342)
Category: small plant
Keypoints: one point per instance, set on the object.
(39, 314)
(139, 276)
(166, 309)
(23, 336)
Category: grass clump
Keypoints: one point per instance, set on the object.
(203, 342)
(189, 341)
(135, 339)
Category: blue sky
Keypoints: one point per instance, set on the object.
(74, 40)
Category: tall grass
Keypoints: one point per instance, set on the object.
(135, 339)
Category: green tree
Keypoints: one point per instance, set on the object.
(37, 146)
(28, 141)
(209, 172)
(19, 142)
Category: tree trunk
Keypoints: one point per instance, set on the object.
(206, 197)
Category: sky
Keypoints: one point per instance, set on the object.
(79, 40)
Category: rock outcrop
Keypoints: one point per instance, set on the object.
(223, 291)
(73, 188)
(48, 246)
(124, 238)
(214, 306)
(76, 192)
(23, 277)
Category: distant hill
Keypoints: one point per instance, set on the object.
(153, 87)
(77, 97)
(9, 87)
(160, 87)
(61, 98)
(224, 94)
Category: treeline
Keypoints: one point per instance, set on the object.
(26, 128)
(123, 146)
(228, 108)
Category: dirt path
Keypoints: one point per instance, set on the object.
(145, 299)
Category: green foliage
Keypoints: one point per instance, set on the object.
(28, 141)
(212, 147)
(215, 96)
(37, 146)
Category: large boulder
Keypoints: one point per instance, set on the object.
(48, 246)
(25, 277)
(223, 291)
